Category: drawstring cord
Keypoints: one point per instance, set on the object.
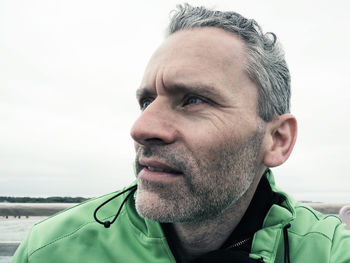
(286, 244)
(108, 223)
(132, 190)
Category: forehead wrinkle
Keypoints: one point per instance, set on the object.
(200, 88)
(149, 90)
(173, 89)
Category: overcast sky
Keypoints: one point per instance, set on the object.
(69, 70)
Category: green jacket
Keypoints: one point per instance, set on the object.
(74, 236)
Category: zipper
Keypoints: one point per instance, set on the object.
(239, 243)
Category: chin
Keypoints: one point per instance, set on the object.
(151, 206)
(148, 204)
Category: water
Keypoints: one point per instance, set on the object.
(15, 229)
(5, 259)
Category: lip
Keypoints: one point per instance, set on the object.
(157, 171)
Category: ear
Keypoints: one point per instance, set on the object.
(281, 135)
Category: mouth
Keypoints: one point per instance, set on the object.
(162, 170)
(154, 170)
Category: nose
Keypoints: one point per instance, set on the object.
(155, 125)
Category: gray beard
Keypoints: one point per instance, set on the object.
(210, 185)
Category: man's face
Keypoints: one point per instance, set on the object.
(198, 137)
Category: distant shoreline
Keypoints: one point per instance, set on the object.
(32, 209)
(51, 199)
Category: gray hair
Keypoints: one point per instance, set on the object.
(266, 64)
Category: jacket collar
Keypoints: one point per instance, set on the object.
(254, 216)
(266, 240)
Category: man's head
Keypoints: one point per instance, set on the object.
(203, 139)
(265, 63)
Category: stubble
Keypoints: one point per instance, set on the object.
(211, 182)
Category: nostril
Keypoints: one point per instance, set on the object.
(155, 141)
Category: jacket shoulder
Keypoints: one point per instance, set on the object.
(309, 221)
(323, 237)
(74, 236)
(67, 223)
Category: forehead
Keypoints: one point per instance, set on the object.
(208, 55)
(204, 42)
(212, 45)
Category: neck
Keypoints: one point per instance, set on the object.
(197, 238)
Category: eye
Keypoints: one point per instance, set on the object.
(193, 100)
(144, 103)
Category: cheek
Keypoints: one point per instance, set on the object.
(218, 126)
(136, 146)
(205, 148)
(205, 139)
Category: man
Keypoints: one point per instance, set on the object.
(214, 118)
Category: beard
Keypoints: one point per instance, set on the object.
(211, 180)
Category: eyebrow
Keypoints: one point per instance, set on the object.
(197, 88)
(144, 93)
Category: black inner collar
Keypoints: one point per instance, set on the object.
(253, 218)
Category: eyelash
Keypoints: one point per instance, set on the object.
(185, 100)
(188, 98)
(142, 102)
